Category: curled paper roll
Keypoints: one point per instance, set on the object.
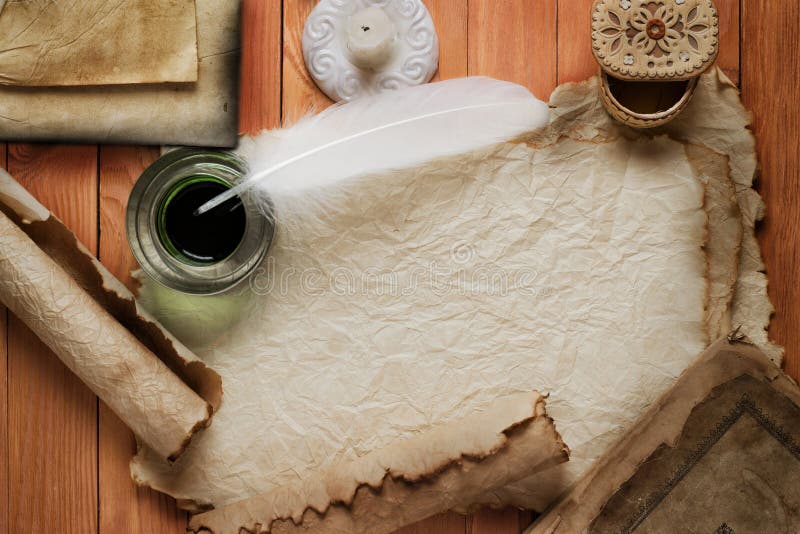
(78, 309)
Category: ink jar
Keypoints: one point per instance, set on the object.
(195, 254)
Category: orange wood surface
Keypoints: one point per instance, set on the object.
(52, 416)
(64, 456)
(3, 397)
(124, 507)
(770, 73)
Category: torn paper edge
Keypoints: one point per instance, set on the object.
(408, 480)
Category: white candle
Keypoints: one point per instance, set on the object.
(371, 36)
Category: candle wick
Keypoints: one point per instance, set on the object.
(365, 28)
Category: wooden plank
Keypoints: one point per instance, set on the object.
(52, 416)
(729, 18)
(4, 526)
(515, 40)
(510, 520)
(575, 59)
(440, 524)
(300, 95)
(451, 19)
(770, 70)
(261, 65)
(120, 167)
(124, 507)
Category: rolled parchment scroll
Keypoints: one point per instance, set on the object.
(78, 309)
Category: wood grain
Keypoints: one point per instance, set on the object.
(729, 17)
(575, 59)
(770, 71)
(124, 507)
(509, 521)
(4, 486)
(515, 40)
(451, 19)
(300, 95)
(441, 524)
(260, 82)
(52, 416)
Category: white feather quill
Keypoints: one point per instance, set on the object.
(392, 130)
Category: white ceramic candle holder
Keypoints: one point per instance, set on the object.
(358, 47)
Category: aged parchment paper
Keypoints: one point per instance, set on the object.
(97, 42)
(590, 263)
(716, 120)
(93, 325)
(413, 300)
(203, 113)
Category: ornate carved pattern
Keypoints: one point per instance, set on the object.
(414, 62)
(661, 39)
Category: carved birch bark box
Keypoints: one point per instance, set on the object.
(651, 54)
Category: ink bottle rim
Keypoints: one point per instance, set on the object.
(165, 264)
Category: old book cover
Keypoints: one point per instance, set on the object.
(718, 453)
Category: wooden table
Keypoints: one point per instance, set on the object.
(64, 456)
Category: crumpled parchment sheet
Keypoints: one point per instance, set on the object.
(69, 300)
(409, 480)
(578, 264)
(418, 298)
(97, 42)
(203, 113)
(715, 121)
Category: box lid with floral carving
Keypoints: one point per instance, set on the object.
(655, 39)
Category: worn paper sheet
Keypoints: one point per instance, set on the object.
(409, 305)
(97, 42)
(715, 119)
(91, 322)
(729, 427)
(203, 113)
(581, 267)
